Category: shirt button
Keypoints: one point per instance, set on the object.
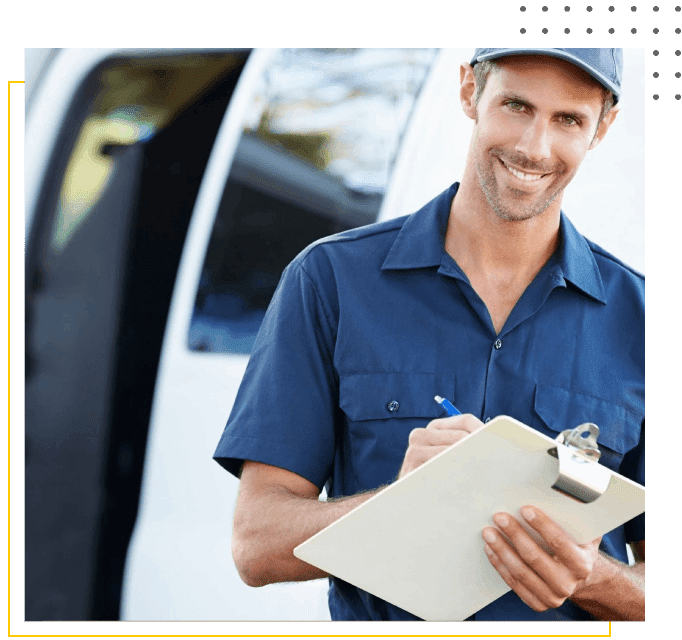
(393, 406)
(498, 343)
(487, 420)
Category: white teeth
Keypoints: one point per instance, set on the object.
(523, 176)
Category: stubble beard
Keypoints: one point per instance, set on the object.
(519, 210)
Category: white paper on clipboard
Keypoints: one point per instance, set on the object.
(417, 544)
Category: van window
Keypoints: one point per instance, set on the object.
(314, 159)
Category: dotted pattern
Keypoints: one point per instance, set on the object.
(664, 31)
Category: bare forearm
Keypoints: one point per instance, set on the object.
(615, 591)
(264, 538)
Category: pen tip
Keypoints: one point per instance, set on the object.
(438, 399)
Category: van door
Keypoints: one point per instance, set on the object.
(116, 146)
(306, 149)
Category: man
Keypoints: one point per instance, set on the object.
(487, 296)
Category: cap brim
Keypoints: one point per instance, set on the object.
(554, 53)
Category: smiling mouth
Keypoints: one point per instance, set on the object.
(526, 177)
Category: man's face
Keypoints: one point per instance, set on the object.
(535, 121)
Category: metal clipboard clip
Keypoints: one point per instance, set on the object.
(580, 474)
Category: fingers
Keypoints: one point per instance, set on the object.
(520, 577)
(529, 563)
(438, 435)
(578, 559)
(466, 422)
(539, 578)
(417, 456)
(444, 431)
(435, 437)
(520, 589)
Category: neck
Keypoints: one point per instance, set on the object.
(486, 245)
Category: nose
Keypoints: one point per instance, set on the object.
(535, 142)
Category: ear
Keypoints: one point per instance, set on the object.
(467, 90)
(604, 126)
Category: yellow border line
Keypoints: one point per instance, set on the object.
(9, 635)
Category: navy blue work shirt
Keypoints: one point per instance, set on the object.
(367, 326)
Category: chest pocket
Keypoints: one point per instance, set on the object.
(558, 409)
(381, 409)
(388, 396)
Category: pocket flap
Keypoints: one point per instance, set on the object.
(382, 396)
(561, 409)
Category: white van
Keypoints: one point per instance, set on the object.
(166, 190)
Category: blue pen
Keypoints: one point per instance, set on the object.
(448, 406)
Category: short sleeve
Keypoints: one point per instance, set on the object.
(632, 467)
(284, 413)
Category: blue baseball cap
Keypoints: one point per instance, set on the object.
(604, 65)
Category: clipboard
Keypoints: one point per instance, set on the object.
(417, 543)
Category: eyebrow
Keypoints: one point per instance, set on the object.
(576, 115)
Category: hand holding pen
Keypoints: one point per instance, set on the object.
(437, 435)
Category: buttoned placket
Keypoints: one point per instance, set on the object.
(532, 299)
(528, 304)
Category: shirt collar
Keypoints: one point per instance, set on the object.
(420, 243)
(421, 239)
(577, 263)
